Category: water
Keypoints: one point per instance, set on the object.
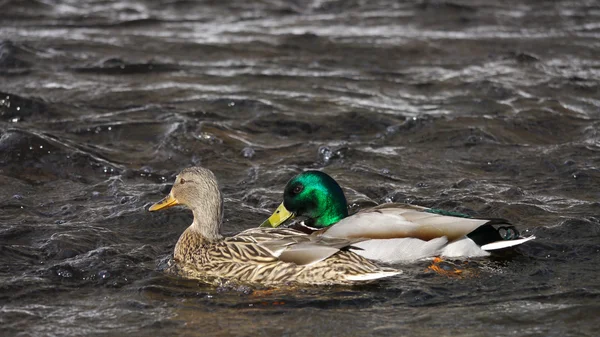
(491, 109)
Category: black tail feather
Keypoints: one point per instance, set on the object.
(488, 233)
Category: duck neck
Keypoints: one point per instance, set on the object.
(192, 239)
(207, 223)
(334, 211)
(328, 210)
(328, 206)
(208, 213)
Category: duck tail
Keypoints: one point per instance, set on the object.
(383, 272)
(506, 244)
(496, 234)
(495, 229)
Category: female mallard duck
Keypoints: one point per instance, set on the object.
(260, 255)
(393, 232)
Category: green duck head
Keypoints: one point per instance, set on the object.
(313, 194)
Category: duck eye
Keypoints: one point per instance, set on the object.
(182, 181)
(297, 189)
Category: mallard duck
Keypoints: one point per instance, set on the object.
(260, 255)
(397, 232)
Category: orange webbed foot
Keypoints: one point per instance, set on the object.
(445, 268)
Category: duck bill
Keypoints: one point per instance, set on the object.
(278, 217)
(166, 202)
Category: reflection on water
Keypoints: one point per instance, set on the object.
(487, 109)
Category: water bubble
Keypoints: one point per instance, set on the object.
(245, 289)
(14, 120)
(208, 138)
(64, 273)
(325, 153)
(231, 104)
(103, 274)
(248, 152)
(204, 136)
(146, 171)
(18, 108)
(109, 128)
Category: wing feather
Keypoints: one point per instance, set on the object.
(402, 222)
(289, 245)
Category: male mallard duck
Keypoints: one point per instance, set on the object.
(397, 232)
(259, 255)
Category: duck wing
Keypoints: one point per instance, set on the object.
(289, 245)
(389, 221)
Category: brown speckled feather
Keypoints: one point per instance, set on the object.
(243, 259)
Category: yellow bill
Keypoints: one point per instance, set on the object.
(165, 202)
(278, 217)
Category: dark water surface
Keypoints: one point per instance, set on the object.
(488, 108)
